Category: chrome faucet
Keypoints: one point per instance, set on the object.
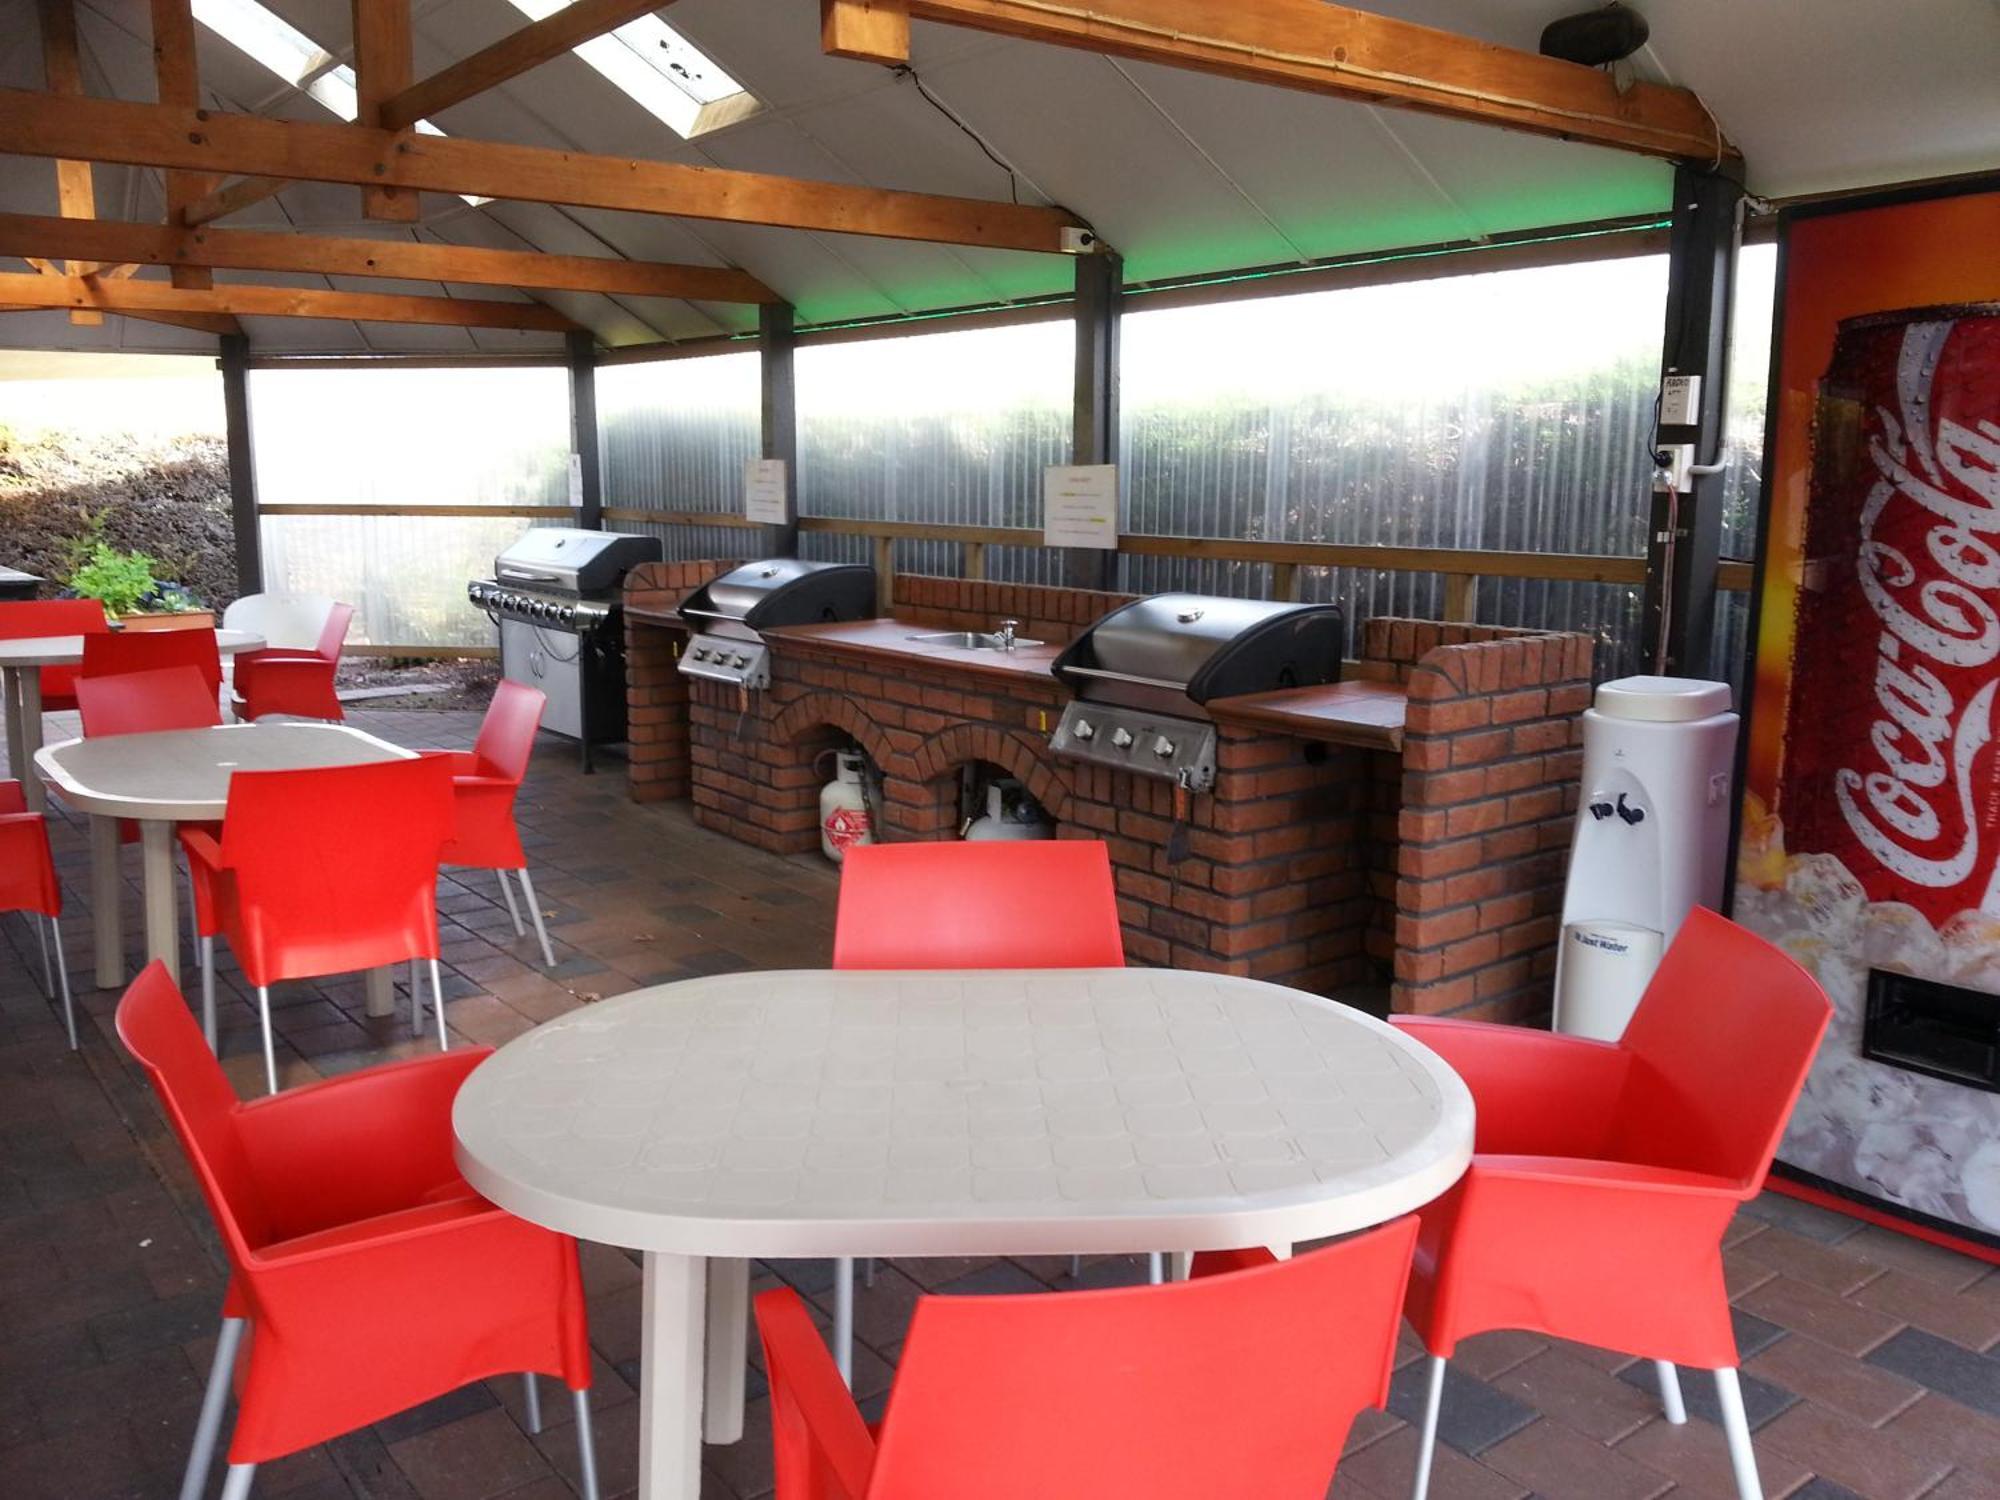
(1006, 634)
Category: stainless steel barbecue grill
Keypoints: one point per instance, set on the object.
(728, 614)
(555, 596)
(1144, 673)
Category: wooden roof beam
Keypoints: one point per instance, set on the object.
(516, 53)
(62, 69)
(1320, 48)
(277, 302)
(382, 70)
(156, 135)
(178, 81)
(325, 255)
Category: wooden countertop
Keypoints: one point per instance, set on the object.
(889, 641)
(1354, 712)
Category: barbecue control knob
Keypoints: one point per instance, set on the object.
(567, 614)
(701, 653)
(1083, 729)
(1122, 738)
(739, 661)
(1163, 747)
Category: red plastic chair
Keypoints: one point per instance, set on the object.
(128, 651)
(300, 683)
(144, 702)
(28, 883)
(371, 1276)
(23, 619)
(326, 872)
(1604, 1174)
(1037, 904)
(1231, 1385)
(485, 781)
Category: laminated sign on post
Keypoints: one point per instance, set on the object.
(1080, 506)
(764, 491)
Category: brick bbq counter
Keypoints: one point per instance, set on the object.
(1404, 828)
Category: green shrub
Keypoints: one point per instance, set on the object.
(121, 580)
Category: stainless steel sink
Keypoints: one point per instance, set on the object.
(970, 640)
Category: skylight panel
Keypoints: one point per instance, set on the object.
(660, 70)
(293, 56)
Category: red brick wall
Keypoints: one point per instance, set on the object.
(1491, 756)
(655, 693)
(1438, 869)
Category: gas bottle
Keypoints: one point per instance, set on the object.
(843, 808)
(1010, 814)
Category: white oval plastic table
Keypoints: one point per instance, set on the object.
(1019, 1112)
(180, 776)
(21, 663)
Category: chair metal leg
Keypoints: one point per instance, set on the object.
(237, 1485)
(532, 1397)
(62, 973)
(48, 974)
(416, 1003)
(586, 1445)
(208, 994)
(1427, 1439)
(213, 1399)
(1075, 1267)
(513, 906)
(843, 1319)
(1671, 1405)
(868, 1271)
(1156, 1267)
(270, 1047)
(437, 999)
(1736, 1427)
(535, 912)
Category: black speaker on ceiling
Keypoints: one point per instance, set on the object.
(1608, 34)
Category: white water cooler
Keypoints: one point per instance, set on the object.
(1652, 838)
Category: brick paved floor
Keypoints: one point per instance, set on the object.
(1870, 1364)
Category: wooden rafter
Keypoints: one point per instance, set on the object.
(1322, 48)
(231, 197)
(62, 67)
(156, 135)
(513, 54)
(178, 80)
(381, 71)
(278, 302)
(247, 250)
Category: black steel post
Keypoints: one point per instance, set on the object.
(1099, 299)
(235, 367)
(1685, 530)
(583, 427)
(777, 341)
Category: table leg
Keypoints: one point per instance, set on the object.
(670, 1377)
(28, 693)
(728, 1349)
(380, 992)
(163, 934)
(10, 706)
(107, 891)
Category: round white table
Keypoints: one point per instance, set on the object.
(179, 776)
(1020, 1112)
(21, 663)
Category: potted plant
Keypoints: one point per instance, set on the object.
(124, 583)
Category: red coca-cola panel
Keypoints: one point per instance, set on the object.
(1890, 758)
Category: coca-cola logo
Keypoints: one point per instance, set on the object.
(1931, 575)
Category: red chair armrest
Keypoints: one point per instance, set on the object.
(1536, 1093)
(357, 1146)
(201, 846)
(824, 1450)
(12, 798)
(359, 1235)
(1619, 1176)
(462, 762)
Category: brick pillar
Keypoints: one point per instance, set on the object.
(1491, 756)
(656, 695)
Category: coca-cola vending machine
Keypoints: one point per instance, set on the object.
(1870, 844)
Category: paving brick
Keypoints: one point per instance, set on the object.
(1806, 1309)
(1867, 1461)
(1810, 1369)
(1695, 1457)
(1558, 1463)
(1943, 1366)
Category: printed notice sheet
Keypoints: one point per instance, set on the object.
(764, 491)
(1080, 505)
